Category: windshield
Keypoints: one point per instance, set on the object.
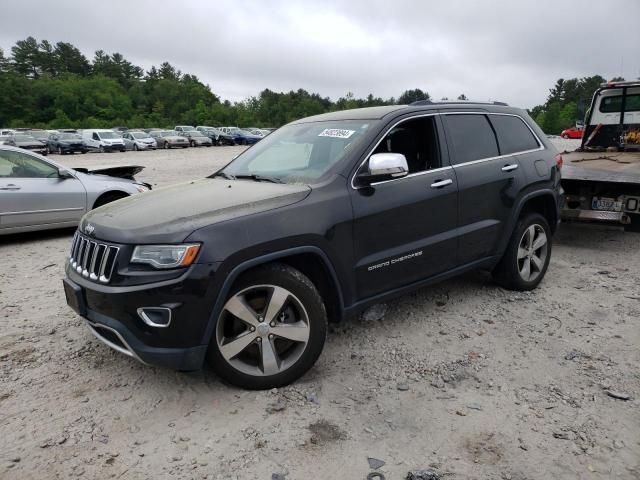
(40, 134)
(108, 135)
(168, 133)
(24, 138)
(139, 135)
(70, 136)
(300, 153)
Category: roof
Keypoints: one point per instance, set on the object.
(376, 113)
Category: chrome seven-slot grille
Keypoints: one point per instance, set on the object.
(91, 259)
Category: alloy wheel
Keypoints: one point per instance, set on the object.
(263, 330)
(532, 252)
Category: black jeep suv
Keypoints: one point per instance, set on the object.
(324, 217)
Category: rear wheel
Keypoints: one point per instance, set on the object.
(527, 256)
(271, 330)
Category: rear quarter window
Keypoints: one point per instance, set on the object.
(513, 134)
(472, 137)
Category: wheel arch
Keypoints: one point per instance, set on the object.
(110, 193)
(540, 201)
(310, 260)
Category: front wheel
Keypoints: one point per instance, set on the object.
(527, 256)
(565, 136)
(135, 147)
(271, 330)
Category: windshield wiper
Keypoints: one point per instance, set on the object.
(259, 178)
(224, 175)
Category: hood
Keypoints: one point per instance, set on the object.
(170, 214)
(122, 171)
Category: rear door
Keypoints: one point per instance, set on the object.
(32, 193)
(488, 184)
(404, 229)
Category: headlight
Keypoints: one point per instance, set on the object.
(141, 188)
(165, 256)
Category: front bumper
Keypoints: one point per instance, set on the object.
(146, 146)
(114, 148)
(111, 314)
(73, 148)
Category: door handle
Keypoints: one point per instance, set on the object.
(441, 183)
(11, 186)
(509, 168)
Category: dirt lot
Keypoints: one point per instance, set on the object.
(465, 378)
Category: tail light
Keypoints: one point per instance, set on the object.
(559, 161)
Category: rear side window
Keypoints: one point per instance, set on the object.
(472, 137)
(513, 135)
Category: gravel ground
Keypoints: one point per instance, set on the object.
(464, 378)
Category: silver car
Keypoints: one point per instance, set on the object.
(39, 194)
(135, 140)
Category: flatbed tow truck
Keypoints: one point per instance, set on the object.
(601, 178)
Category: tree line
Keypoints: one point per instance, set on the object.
(46, 85)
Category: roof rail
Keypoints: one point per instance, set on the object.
(455, 102)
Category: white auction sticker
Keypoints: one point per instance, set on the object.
(336, 133)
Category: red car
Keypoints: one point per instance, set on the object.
(572, 132)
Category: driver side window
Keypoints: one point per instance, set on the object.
(20, 165)
(417, 140)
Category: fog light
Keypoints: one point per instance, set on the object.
(632, 204)
(158, 317)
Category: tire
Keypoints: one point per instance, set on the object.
(49, 149)
(135, 147)
(108, 198)
(634, 226)
(192, 144)
(101, 149)
(248, 365)
(166, 145)
(60, 152)
(511, 272)
(565, 136)
(83, 152)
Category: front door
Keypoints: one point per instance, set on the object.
(404, 229)
(32, 193)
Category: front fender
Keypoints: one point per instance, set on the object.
(246, 265)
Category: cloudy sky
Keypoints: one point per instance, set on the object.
(494, 49)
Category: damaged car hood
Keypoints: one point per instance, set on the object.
(122, 171)
(170, 214)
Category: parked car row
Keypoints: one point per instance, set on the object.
(121, 138)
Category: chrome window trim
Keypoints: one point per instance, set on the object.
(417, 174)
(481, 160)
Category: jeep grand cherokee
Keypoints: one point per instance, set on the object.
(322, 218)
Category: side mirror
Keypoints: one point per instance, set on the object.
(384, 166)
(63, 174)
